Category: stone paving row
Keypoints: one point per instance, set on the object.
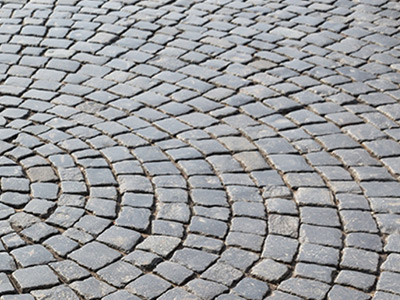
(188, 149)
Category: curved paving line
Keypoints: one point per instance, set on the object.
(199, 150)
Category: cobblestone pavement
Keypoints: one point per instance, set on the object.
(190, 149)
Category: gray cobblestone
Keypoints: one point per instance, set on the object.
(194, 259)
(35, 277)
(69, 271)
(352, 259)
(85, 255)
(32, 255)
(199, 150)
(356, 279)
(205, 289)
(276, 271)
(119, 273)
(92, 288)
(305, 288)
(341, 291)
(318, 254)
(251, 288)
(149, 286)
(312, 271)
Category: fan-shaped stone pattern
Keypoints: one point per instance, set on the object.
(199, 150)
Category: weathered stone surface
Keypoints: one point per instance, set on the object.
(199, 149)
(35, 278)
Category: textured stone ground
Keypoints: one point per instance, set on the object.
(200, 149)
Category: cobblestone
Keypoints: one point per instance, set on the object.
(199, 150)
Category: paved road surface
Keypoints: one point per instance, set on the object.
(200, 149)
